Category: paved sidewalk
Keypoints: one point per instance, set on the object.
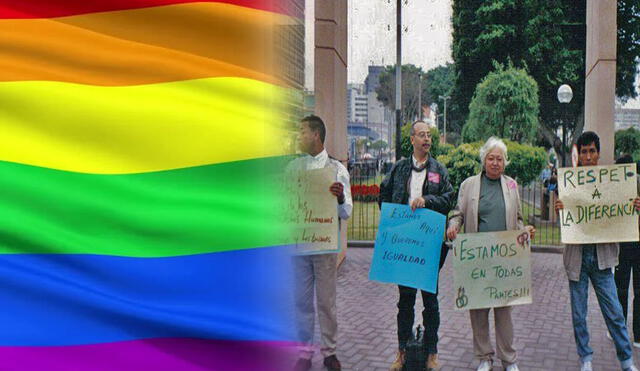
(543, 332)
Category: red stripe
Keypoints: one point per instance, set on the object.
(15, 9)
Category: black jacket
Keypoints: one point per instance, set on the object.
(438, 196)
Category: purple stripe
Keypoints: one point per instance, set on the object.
(175, 354)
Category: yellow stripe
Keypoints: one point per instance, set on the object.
(142, 46)
(134, 129)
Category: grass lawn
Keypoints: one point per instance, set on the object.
(363, 223)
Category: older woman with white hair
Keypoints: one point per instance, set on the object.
(489, 202)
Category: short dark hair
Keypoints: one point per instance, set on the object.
(413, 126)
(316, 124)
(625, 159)
(587, 138)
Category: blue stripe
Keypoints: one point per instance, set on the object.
(51, 300)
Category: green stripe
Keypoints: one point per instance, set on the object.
(176, 212)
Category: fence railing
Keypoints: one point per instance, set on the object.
(365, 189)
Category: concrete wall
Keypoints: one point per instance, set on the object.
(331, 79)
(600, 81)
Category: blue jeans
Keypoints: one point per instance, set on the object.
(605, 289)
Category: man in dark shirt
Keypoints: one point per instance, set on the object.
(419, 181)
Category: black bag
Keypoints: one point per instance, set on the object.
(415, 352)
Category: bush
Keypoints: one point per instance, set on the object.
(461, 163)
(526, 162)
(365, 193)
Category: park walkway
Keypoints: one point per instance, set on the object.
(543, 331)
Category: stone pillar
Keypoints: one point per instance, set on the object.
(600, 78)
(331, 80)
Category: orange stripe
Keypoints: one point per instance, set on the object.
(142, 46)
(61, 8)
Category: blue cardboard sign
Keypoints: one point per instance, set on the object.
(407, 248)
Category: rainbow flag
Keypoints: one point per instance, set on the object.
(140, 150)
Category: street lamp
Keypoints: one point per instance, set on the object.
(565, 94)
(419, 96)
(445, 99)
(398, 77)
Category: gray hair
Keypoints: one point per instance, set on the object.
(491, 144)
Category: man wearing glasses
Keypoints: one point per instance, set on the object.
(419, 181)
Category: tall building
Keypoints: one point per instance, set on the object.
(627, 118)
(372, 81)
(356, 103)
(379, 116)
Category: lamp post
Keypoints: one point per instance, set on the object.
(398, 76)
(565, 94)
(445, 99)
(419, 96)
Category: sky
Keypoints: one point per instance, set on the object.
(426, 37)
(426, 42)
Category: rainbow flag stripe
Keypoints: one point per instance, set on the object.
(140, 176)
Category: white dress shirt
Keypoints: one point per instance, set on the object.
(417, 179)
(321, 160)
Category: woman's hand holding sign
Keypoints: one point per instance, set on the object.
(452, 232)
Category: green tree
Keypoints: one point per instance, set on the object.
(627, 142)
(548, 38)
(439, 81)
(628, 48)
(410, 85)
(505, 104)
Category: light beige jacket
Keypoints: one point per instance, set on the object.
(466, 211)
(607, 254)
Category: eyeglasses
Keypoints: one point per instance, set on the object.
(423, 135)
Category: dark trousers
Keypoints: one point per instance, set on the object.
(430, 314)
(629, 261)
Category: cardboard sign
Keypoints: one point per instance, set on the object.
(407, 247)
(313, 211)
(598, 204)
(491, 269)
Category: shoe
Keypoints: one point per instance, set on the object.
(586, 366)
(609, 336)
(399, 362)
(512, 367)
(485, 365)
(636, 343)
(302, 365)
(632, 368)
(432, 362)
(332, 363)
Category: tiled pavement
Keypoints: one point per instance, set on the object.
(543, 331)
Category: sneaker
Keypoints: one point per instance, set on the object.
(399, 362)
(332, 363)
(636, 344)
(432, 362)
(586, 366)
(512, 367)
(485, 365)
(609, 336)
(302, 365)
(632, 368)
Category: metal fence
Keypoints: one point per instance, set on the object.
(365, 188)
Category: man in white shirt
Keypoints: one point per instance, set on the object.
(319, 270)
